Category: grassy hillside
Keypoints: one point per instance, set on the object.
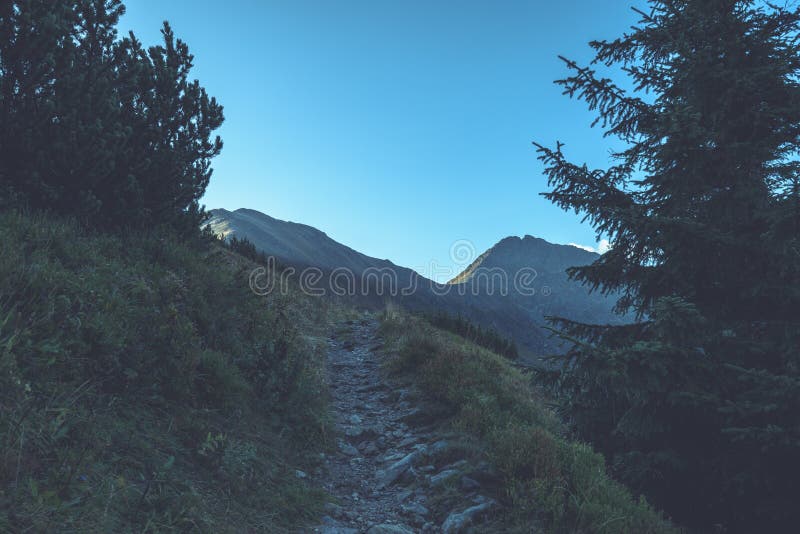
(548, 481)
(144, 387)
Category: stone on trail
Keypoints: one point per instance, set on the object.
(409, 440)
(469, 484)
(440, 478)
(458, 521)
(394, 471)
(334, 509)
(439, 447)
(389, 529)
(415, 508)
(347, 448)
(332, 529)
(354, 431)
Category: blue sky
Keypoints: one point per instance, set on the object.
(397, 127)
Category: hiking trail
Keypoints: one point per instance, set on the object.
(383, 472)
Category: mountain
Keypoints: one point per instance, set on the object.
(538, 287)
(512, 287)
(345, 273)
(291, 243)
(544, 265)
(515, 253)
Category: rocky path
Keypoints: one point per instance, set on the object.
(384, 474)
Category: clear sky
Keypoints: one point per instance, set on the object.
(397, 127)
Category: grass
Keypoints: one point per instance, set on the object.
(548, 480)
(144, 387)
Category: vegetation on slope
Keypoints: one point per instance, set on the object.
(485, 337)
(547, 479)
(144, 387)
(696, 405)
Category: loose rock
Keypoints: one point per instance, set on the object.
(415, 508)
(383, 451)
(389, 529)
(469, 484)
(458, 521)
(441, 477)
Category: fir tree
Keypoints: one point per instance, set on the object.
(696, 403)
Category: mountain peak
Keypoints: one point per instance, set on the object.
(513, 253)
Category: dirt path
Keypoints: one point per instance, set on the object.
(388, 465)
(376, 448)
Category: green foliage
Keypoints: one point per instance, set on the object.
(245, 247)
(99, 127)
(487, 338)
(696, 405)
(144, 387)
(547, 479)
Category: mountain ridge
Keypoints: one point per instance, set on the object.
(326, 252)
(217, 222)
(515, 308)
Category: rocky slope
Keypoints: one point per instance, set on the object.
(516, 253)
(554, 294)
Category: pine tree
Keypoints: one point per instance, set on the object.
(96, 126)
(696, 403)
(35, 45)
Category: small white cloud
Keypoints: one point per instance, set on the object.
(602, 246)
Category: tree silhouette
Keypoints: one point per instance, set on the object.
(696, 404)
(96, 126)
